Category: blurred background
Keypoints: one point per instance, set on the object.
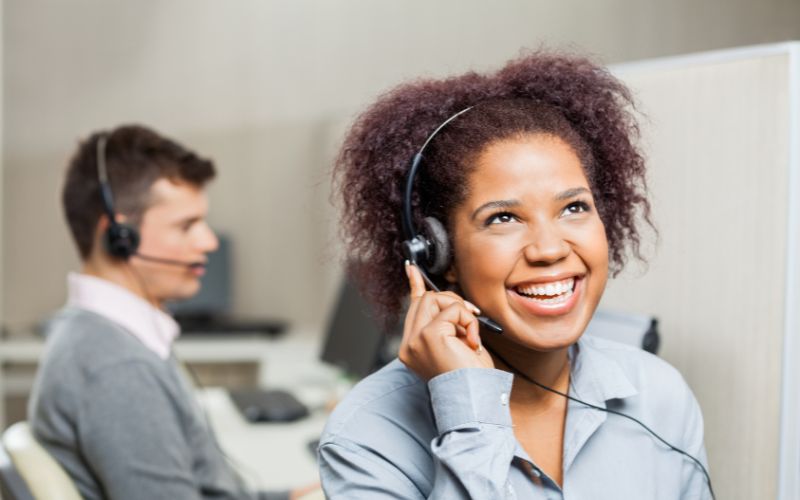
(267, 88)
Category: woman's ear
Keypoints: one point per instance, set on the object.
(451, 275)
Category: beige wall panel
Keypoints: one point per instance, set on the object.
(717, 140)
(255, 84)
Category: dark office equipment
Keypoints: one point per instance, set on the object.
(312, 446)
(204, 324)
(273, 405)
(633, 329)
(214, 297)
(209, 312)
(356, 339)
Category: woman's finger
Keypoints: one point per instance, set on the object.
(415, 280)
(424, 307)
(429, 306)
(412, 273)
(463, 320)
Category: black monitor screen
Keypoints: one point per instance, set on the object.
(214, 297)
(356, 340)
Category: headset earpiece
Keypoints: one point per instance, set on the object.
(430, 248)
(121, 240)
(438, 258)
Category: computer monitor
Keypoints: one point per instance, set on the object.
(214, 297)
(209, 312)
(356, 340)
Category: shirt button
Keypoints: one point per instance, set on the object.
(504, 399)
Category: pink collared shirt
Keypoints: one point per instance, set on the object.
(153, 327)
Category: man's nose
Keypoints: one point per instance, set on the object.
(208, 240)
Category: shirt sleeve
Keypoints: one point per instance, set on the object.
(132, 439)
(472, 452)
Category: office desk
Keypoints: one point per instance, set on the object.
(276, 455)
(290, 361)
(268, 455)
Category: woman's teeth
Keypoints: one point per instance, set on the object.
(550, 293)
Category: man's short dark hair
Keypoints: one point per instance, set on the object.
(136, 157)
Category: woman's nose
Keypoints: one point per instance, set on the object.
(546, 245)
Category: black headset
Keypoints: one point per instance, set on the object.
(122, 240)
(430, 250)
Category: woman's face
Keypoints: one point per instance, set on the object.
(529, 247)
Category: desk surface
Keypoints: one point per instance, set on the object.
(268, 455)
(219, 348)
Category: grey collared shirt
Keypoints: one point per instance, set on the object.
(396, 437)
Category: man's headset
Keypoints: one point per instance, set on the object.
(430, 252)
(122, 240)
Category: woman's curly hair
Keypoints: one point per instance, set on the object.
(542, 92)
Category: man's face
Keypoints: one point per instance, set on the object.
(174, 227)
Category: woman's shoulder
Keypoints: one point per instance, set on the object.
(660, 389)
(644, 370)
(393, 398)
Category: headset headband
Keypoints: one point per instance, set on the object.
(102, 176)
(408, 220)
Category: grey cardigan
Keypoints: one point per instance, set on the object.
(123, 422)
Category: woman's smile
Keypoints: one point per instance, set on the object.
(547, 297)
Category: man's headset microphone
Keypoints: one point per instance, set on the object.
(122, 240)
(429, 251)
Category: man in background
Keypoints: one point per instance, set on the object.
(110, 401)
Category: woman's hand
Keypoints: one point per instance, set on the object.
(441, 332)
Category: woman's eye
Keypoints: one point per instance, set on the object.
(576, 208)
(501, 218)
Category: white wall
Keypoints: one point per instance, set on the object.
(265, 87)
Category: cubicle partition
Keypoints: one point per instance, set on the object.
(721, 132)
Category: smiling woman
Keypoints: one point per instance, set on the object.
(533, 176)
(534, 250)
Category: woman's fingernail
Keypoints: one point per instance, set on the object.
(407, 262)
(479, 350)
(473, 307)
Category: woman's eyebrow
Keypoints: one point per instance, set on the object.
(495, 204)
(571, 193)
(564, 195)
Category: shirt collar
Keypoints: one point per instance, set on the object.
(596, 377)
(153, 327)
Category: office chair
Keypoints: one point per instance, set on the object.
(32, 467)
(12, 486)
(633, 329)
